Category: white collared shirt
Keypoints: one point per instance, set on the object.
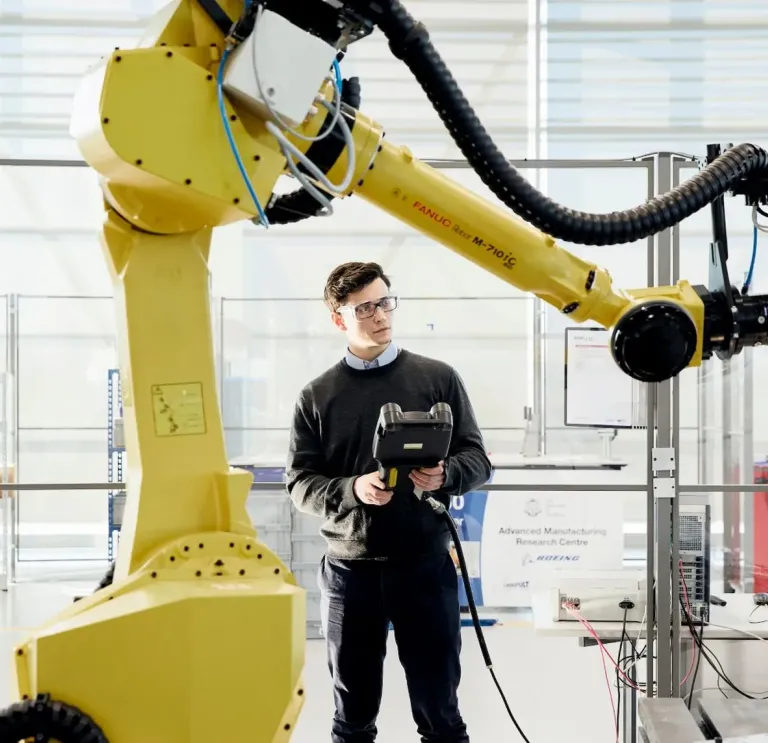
(387, 356)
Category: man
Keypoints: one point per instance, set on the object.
(387, 558)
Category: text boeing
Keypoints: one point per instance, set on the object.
(508, 261)
(532, 560)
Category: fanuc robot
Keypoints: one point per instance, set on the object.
(200, 636)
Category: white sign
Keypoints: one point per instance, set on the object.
(526, 537)
(597, 392)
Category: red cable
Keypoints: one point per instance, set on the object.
(597, 639)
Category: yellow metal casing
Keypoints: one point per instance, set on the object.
(204, 644)
(495, 239)
(169, 168)
(201, 637)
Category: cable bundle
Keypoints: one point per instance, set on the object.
(409, 42)
(311, 200)
(44, 719)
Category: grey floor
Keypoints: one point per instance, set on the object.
(556, 689)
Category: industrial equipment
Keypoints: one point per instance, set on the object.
(200, 636)
(599, 596)
(694, 573)
(407, 440)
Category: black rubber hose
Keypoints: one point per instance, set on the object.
(409, 42)
(300, 205)
(108, 578)
(44, 720)
(442, 511)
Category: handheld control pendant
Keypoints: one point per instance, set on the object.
(406, 441)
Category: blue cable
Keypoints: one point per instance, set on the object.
(233, 145)
(337, 71)
(750, 272)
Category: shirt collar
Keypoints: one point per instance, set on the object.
(387, 356)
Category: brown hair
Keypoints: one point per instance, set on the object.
(349, 278)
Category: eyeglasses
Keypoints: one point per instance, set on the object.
(364, 310)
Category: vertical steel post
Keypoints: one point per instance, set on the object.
(4, 469)
(539, 336)
(748, 472)
(650, 517)
(13, 373)
(667, 650)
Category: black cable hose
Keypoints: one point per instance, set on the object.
(108, 578)
(300, 205)
(44, 720)
(409, 42)
(443, 511)
(709, 656)
(618, 675)
(698, 640)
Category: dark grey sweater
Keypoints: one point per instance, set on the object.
(331, 445)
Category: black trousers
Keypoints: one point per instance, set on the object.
(420, 598)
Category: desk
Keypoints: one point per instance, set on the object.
(732, 618)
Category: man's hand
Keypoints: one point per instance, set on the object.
(370, 490)
(429, 479)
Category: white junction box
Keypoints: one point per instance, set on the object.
(596, 595)
(291, 65)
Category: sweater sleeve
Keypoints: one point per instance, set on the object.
(467, 466)
(310, 489)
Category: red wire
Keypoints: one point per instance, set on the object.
(597, 639)
(604, 652)
(610, 696)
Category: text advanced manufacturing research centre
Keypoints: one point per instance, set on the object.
(547, 536)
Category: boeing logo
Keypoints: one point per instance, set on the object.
(538, 559)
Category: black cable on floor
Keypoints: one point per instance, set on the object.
(697, 641)
(711, 658)
(440, 509)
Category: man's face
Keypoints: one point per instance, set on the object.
(367, 325)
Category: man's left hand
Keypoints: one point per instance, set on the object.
(429, 479)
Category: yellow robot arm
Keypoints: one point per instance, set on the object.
(201, 635)
(148, 121)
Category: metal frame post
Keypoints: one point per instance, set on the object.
(748, 473)
(731, 461)
(650, 511)
(539, 313)
(6, 494)
(666, 508)
(12, 369)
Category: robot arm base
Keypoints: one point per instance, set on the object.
(147, 659)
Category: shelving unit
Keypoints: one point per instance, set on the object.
(115, 455)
